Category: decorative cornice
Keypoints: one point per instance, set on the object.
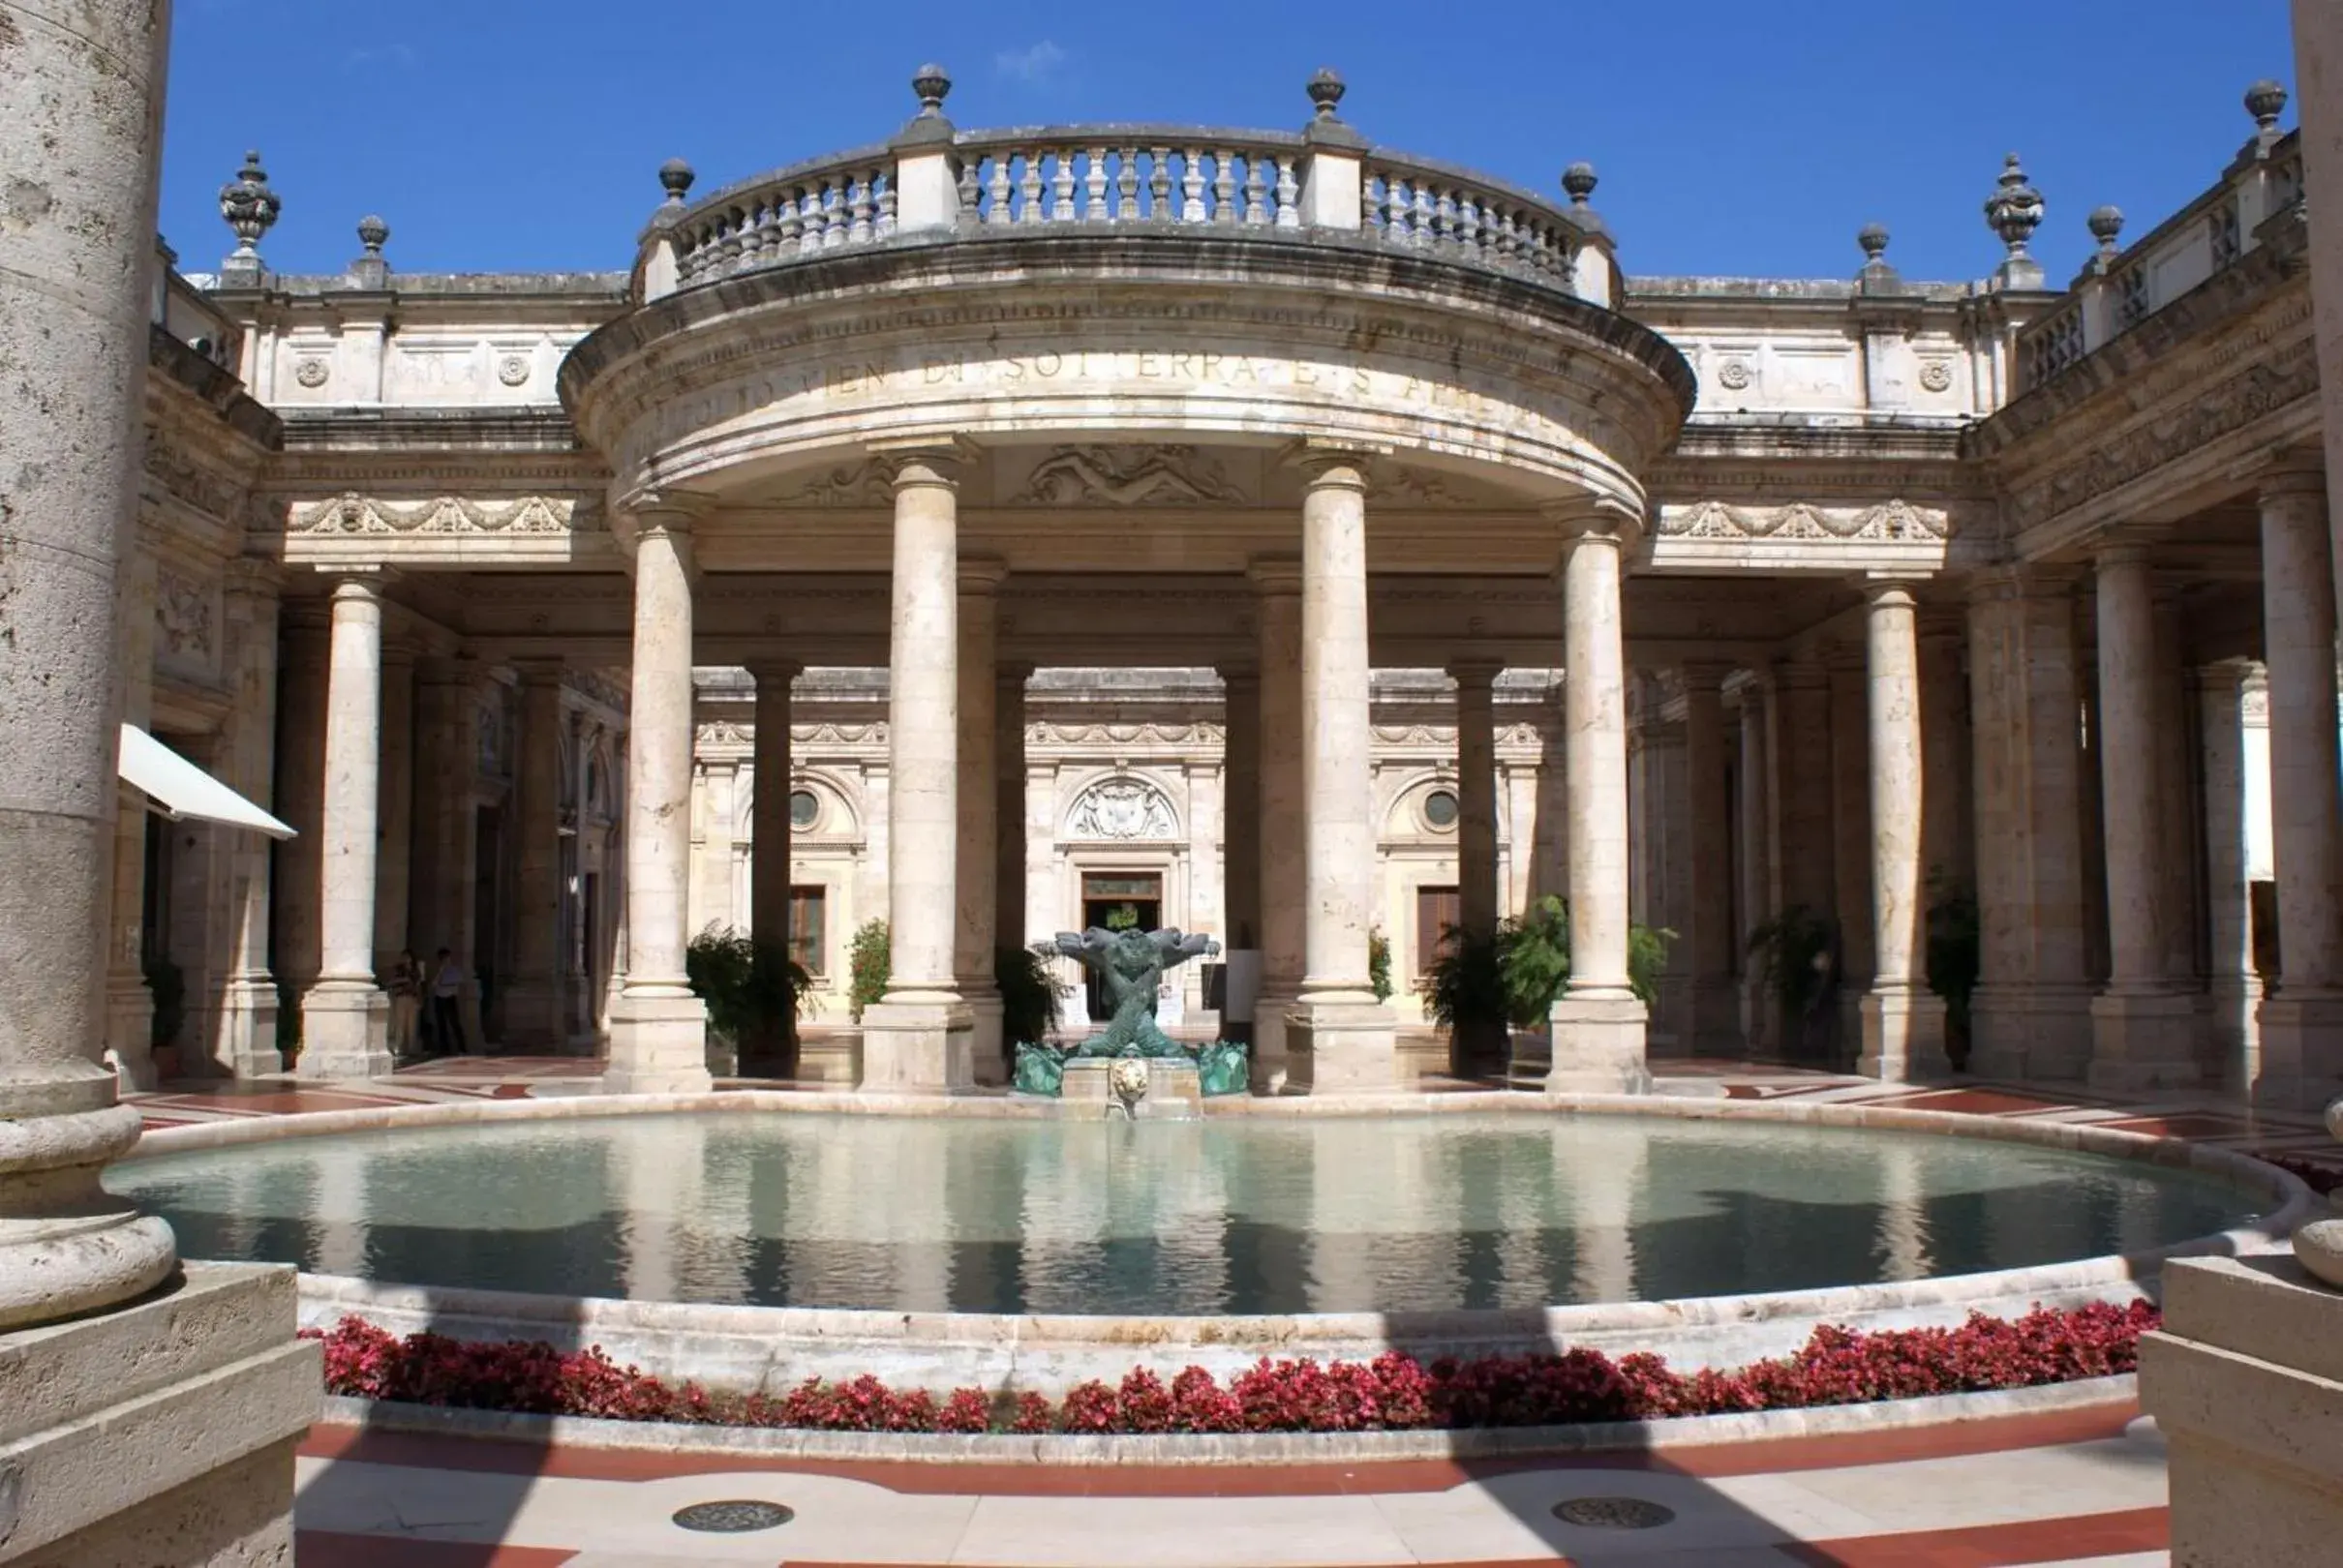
(353, 513)
(1894, 521)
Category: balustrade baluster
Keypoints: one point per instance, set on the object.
(1061, 188)
(860, 206)
(1126, 182)
(1094, 186)
(1192, 186)
(1159, 183)
(1421, 225)
(752, 237)
(886, 207)
(1029, 209)
(1003, 209)
(728, 249)
(1257, 190)
(972, 191)
(1224, 187)
(1443, 217)
(1468, 224)
(1289, 194)
(833, 213)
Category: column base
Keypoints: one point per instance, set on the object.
(658, 1043)
(2031, 1032)
(1899, 1027)
(345, 1032)
(162, 1431)
(1267, 1063)
(918, 1049)
(1339, 1046)
(534, 1017)
(2245, 1381)
(2302, 1037)
(987, 1060)
(2232, 1037)
(245, 1044)
(2143, 1040)
(129, 1030)
(1599, 1046)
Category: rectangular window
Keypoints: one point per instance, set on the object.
(1436, 910)
(810, 928)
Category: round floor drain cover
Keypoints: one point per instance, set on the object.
(734, 1517)
(1613, 1513)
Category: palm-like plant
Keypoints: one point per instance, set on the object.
(1515, 974)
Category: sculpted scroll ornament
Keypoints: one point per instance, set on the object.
(353, 513)
(1891, 521)
(1125, 476)
(1122, 810)
(860, 484)
(183, 619)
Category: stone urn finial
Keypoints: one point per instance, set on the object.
(934, 85)
(2014, 211)
(1872, 237)
(373, 234)
(2265, 99)
(2107, 227)
(676, 177)
(1578, 183)
(250, 207)
(1326, 88)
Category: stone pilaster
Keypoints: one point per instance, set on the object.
(918, 1039)
(2179, 811)
(2142, 1027)
(2235, 1030)
(1704, 926)
(137, 1429)
(2302, 1021)
(1478, 896)
(2318, 96)
(1278, 583)
(533, 1004)
(242, 1041)
(1902, 1022)
(1009, 806)
(975, 938)
(658, 1031)
(715, 819)
(2031, 1009)
(129, 1007)
(394, 869)
(1759, 1020)
(1947, 854)
(769, 832)
(1851, 830)
(344, 1016)
(1597, 1021)
(442, 909)
(1339, 1037)
(1240, 840)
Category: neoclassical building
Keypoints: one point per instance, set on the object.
(1273, 534)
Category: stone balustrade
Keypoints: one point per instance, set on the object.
(936, 183)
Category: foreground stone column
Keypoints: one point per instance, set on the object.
(768, 835)
(532, 1002)
(918, 1039)
(2142, 1028)
(346, 1017)
(1704, 926)
(1902, 1024)
(2302, 1022)
(2222, 692)
(1598, 1021)
(974, 960)
(2319, 95)
(1281, 877)
(1478, 894)
(161, 1430)
(658, 1031)
(130, 1006)
(1339, 1037)
(1758, 1018)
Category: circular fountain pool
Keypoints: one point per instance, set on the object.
(1405, 1214)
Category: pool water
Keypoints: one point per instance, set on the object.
(1200, 1218)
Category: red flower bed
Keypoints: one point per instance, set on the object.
(1393, 1393)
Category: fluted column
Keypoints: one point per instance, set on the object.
(2142, 1025)
(1758, 1018)
(1704, 925)
(1599, 1022)
(2302, 1022)
(768, 835)
(1477, 895)
(1281, 879)
(918, 1039)
(1338, 1037)
(533, 1002)
(658, 1031)
(2223, 690)
(1902, 1022)
(975, 938)
(344, 1016)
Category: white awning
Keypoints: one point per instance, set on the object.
(179, 788)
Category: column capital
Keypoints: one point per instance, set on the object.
(773, 670)
(2120, 548)
(1332, 464)
(2028, 580)
(1600, 519)
(2288, 472)
(1479, 675)
(981, 575)
(924, 462)
(1275, 576)
(2232, 676)
(1889, 592)
(672, 513)
(1013, 672)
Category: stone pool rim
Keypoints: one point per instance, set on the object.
(776, 1347)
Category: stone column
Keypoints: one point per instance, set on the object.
(2318, 64)
(395, 832)
(1339, 1037)
(344, 1016)
(658, 1031)
(1945, 808)
(1009, 806)
(1280, 822)
(1704, 925)
(533, 1005)
(1757, 1018)
(2234, 1029)
(769, 837)
(1851, 823)
(1478, 896)
(2179, 818)
(2141, 1027)
(244, 1042)
(2031, 1012)
(1804, 877)
(1902, 1022)
(918, 1039)
(1597, 1021)
(442, 908)
(978, 837)
(2302, 1023)
(129, 1007)
(1240, 847)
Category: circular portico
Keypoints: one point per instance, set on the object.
(1127, 357)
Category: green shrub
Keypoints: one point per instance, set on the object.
(751, 993)
(1031, 993)
(1378, 965)
(869, 964)
(1518, 972)
(1794, 952)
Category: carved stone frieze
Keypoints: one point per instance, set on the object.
(722, 733)
(837, 734)
(183, 620)
(1887, 521)
(1126, 476)
(1122, 810)
(1120, 735)
(1417, 734)
(856, 484)
(353, 513)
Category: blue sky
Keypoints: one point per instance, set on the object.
(1744, 136)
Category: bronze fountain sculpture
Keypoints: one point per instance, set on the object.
(1130, 966)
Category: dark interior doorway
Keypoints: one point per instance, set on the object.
(1115, 900)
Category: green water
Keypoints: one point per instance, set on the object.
(1173, 1217)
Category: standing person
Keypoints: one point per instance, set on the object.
(405, 985)
(446, 1016)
